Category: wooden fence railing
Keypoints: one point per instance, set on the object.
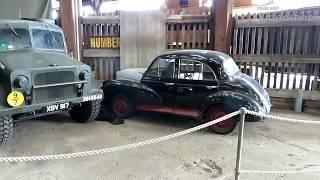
(104, 62)
(281, 50)
(188, 32)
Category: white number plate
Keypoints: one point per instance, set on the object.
(92, 98)
(58, 107)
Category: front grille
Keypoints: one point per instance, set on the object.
(58, 91)
(55, 93)
(53, 77)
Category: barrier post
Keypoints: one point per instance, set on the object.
(240, 139)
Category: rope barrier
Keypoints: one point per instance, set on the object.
(118, 148)
(171, 136)
(283, 172)
(282, 118)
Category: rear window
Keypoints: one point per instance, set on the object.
(230, 67)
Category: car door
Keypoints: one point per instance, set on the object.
(195, 82)
(160, 78)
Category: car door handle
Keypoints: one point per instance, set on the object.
(169, 84)
(211, 87)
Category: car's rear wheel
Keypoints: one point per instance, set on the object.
(86, 111)
(223, 127)
(6, 129)
(121, 106)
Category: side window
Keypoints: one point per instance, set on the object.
(195, 70)
(163, 68)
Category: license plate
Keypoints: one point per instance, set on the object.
(58, 107)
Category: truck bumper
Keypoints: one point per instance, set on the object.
(5, 111)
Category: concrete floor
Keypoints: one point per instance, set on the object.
(268, 145)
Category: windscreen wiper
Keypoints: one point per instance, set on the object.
(15, 32)
(54, 39)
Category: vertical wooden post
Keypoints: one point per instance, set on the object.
(69, 23)
(221, 25)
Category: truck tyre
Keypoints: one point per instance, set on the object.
(224, 127)
(86, 111)
(6, 129)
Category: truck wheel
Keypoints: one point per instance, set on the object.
(224, 127)
(121, 106)
(86, 111)
(6, 129)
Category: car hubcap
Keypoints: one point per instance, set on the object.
(121, 106)
(219, 113)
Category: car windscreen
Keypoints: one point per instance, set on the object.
(230, 67)
(47, 40)
(14, 39)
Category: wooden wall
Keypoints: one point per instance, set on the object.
(281, 50)
(187, 32)
(142, 37)
(104, 62)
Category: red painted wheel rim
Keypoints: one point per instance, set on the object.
(121, 106)
(217, 113)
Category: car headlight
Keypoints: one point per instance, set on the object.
(84, 75)
(21, 82)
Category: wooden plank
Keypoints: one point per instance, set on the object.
(247, 39)
(205, 34)
(257, 72)
(291, 41)
(299, 41)
(101, 53)
(285, 40)
(281, 93)
(317, 42)
(315, 81)
(288, 75)
(259, 40)
(275, 80)
(306, 42)
(253, 40)
(279, 40)
(251, 69)
(182, 39)
(235, 41)
(282, 75)
(100, 19)
(263, 68)
(296, 68)
(302, 72)
(194, 31)
(277, 22)
(241, 37)
(265, 40)
(269, 75)
(277, 58)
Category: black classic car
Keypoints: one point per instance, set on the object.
(196, 83)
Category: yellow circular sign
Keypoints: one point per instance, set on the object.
(15, 99)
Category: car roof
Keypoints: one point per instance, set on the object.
(27, 24)
(204, 54)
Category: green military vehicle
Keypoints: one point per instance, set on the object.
(38, 78)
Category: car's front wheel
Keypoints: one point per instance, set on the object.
(121, 106)
(223, 127)
(6, 129)
(86, 111)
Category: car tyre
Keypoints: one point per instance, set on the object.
(121, 106)
(6, 129)
(86, 111)
(224, 127)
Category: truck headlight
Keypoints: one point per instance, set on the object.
(84, 75)
(21, 82)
